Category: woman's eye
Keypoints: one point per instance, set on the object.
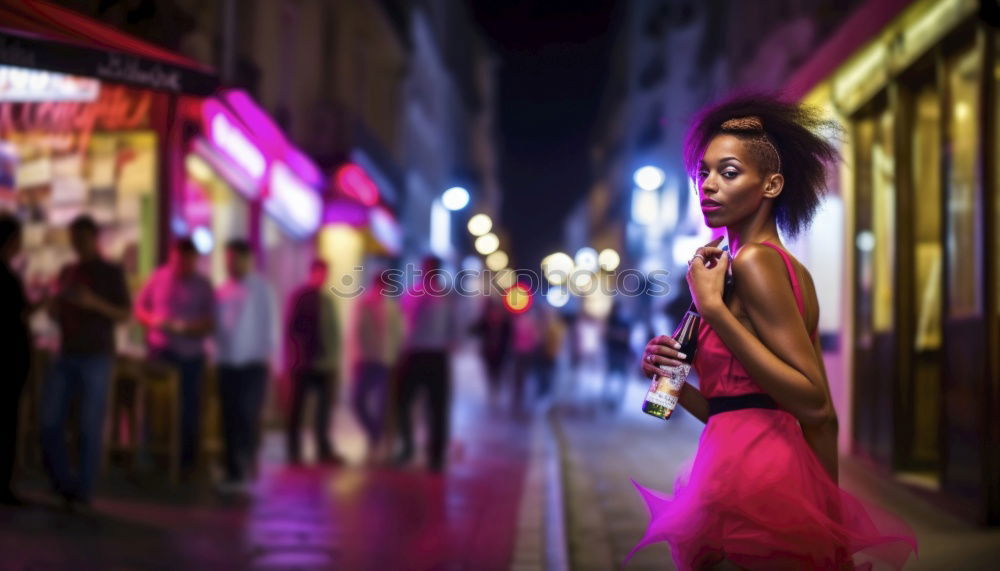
(702, 175)
(730, 174)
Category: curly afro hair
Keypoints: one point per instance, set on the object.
(789, 129)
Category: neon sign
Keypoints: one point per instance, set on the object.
(291, 201)
(385, 229)
(116, 108)
(231, 140)
(24, 84)
(354, 182)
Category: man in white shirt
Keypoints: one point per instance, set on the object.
(246, 337)
(431, 334)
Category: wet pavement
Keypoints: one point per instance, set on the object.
(305, 517)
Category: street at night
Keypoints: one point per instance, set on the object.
(527, 285)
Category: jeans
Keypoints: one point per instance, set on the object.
(241, 397)
(425, 371)
(72, 376)
(191, 370)
(304, 382)
(369, 399)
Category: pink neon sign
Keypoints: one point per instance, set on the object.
(228, 136)
(241, 131)
(295, 204)
(354, 182)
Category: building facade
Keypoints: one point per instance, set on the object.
(914, 84)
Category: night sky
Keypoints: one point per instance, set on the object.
(554, 67)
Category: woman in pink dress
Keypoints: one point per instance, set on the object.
(762, 490)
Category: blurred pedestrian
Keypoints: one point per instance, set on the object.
(91, 298)
(527, 341)
(313, 352)
(553, 336)
(430, 337)
(617, 336)
(246, 336)
(177, 307)
(495, 330)
(378, 327)
(15, 351)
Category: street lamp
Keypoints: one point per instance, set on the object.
(648, 177)
(487, 244)
(480, 224)
(455, 198)
(497, 260)
(609, 260)
(586, 259)
(557, 267)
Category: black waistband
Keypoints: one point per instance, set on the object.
(750, 400)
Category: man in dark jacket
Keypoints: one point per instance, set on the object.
(313, 352)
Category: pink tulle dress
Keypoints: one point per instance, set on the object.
(756, 494)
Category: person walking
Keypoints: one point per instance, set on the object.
(495, 331)
(91, 299)
(430, 337)
(378, 327)
(313, 352)
(177, 307)
(527, 343)
(246, 336)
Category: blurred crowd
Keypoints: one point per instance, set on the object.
(400, 354)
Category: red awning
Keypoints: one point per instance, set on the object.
(35, 33)
(861, 26)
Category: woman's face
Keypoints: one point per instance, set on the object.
(730, 185)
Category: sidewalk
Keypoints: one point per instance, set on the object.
(606, 517)
(307, 517)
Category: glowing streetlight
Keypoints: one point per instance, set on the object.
(586, 259)
(648, 177)
(480, 224)
(487, 244)
(582, 283)
(557, 267)
(497, 261)
(518, 298)
(557, 296)
(609, 260)
(455, 198)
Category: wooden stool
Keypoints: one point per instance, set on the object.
(144, 401)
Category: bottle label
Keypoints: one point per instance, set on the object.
(665, 389)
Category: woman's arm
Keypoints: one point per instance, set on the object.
(781, 359)
(694, 402)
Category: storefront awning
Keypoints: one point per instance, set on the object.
(39, 35)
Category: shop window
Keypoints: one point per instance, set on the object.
(883, 184)
(926, 227)
(963, 220)
(874, 241)
(924, 384)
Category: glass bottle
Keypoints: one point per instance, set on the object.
(665, 389)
